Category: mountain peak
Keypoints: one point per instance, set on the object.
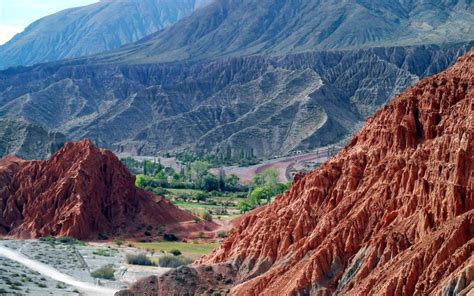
(81, 191)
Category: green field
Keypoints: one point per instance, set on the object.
(188, 249)
(184, 191)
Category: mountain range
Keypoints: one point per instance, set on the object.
(91, 29)
(280, 27)
(244, 77)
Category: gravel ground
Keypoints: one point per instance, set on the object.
(77, 261)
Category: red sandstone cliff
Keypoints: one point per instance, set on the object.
(80, 191)
(392, 214)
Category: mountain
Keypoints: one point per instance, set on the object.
(391, 214)
(280, 27)
(91, 29)
(239, 84)
(268, 105)
(81, 191)
(28, 141)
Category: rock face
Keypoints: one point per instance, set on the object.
(91, 29)
(81, 191)
(28, 141)
(391, 214)
(267, 105)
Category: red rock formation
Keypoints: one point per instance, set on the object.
(80, 191)
(391, 214)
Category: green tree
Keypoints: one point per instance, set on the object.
(199, 169)
(244, 207)
(209, 183)
(259, 193)
(201, 196)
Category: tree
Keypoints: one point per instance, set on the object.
(259, 193)
(199, 169)
(209, 183)
(221, 179)
(232, 180)
(244, 207)
(201, 196)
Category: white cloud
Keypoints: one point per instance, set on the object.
(8, 31)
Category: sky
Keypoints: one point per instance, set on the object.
(16, 15)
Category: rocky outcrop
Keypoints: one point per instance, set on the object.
(391, 214)
(81, 191)
(261, 105)
(28, 141)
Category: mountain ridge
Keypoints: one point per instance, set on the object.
(213, 106)
(277, 27)
(91, 29)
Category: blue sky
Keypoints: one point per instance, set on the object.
(15, 15)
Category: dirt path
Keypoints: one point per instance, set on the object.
(87, 288)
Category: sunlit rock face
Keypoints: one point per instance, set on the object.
(391, 214)
(81, 191)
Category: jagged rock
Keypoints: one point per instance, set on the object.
(81, 191)
(391, 214)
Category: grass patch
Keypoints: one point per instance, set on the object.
(105, 272)
(103, 252)
(185, 248)
(173, 261)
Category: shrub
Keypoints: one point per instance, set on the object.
(222, 234)
(202, 214)
(147, 233)
(175, 252)
(118, 242)
(140, 259)
(170, 237)
(69, 241)
(102, 236)
(102, 252)
(173, 262)
(105, 272)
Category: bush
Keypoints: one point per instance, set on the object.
(118, 242)
(222, 234)
(173, 262)
(140, 259)
(102, 236)
(105, 272)
(170, 237)
(202, 214)
(102, 252)
(175, 252)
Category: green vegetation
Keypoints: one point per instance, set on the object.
(175, 252)
(61, 240)
(264, 187)
(105, 272)
(170, 237)
(173, 261)
(140, 259)
(185, 248)
(204, 194)
(104, 252)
